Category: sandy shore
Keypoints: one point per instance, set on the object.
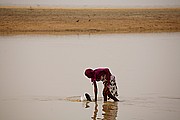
(14, 20)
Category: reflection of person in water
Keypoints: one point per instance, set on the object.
(95, 111)
(104, 75)
(109, 111)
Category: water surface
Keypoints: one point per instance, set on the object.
(38, 73)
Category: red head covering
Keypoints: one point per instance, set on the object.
(89, 73)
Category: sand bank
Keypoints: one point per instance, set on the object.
(28, 20)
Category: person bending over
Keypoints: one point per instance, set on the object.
(104, 75)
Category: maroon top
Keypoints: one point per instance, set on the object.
(99, 72)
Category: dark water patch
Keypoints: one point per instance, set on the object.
(32, 98)
(172, 98)
(80, 99)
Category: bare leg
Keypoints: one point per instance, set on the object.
(105, 98)
(105, 93)
(112, 97)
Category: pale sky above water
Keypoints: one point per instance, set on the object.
(94, 3)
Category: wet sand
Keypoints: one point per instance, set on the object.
(16, 20)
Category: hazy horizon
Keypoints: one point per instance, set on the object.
(92, 3)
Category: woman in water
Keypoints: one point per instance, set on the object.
(104, 75)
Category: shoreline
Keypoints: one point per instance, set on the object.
(69, 21)
(96, 8)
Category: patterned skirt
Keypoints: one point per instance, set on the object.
(113, 86)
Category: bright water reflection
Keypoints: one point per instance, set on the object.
(105, 111)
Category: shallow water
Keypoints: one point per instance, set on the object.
(38, 73)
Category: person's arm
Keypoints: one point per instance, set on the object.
(95, 90)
